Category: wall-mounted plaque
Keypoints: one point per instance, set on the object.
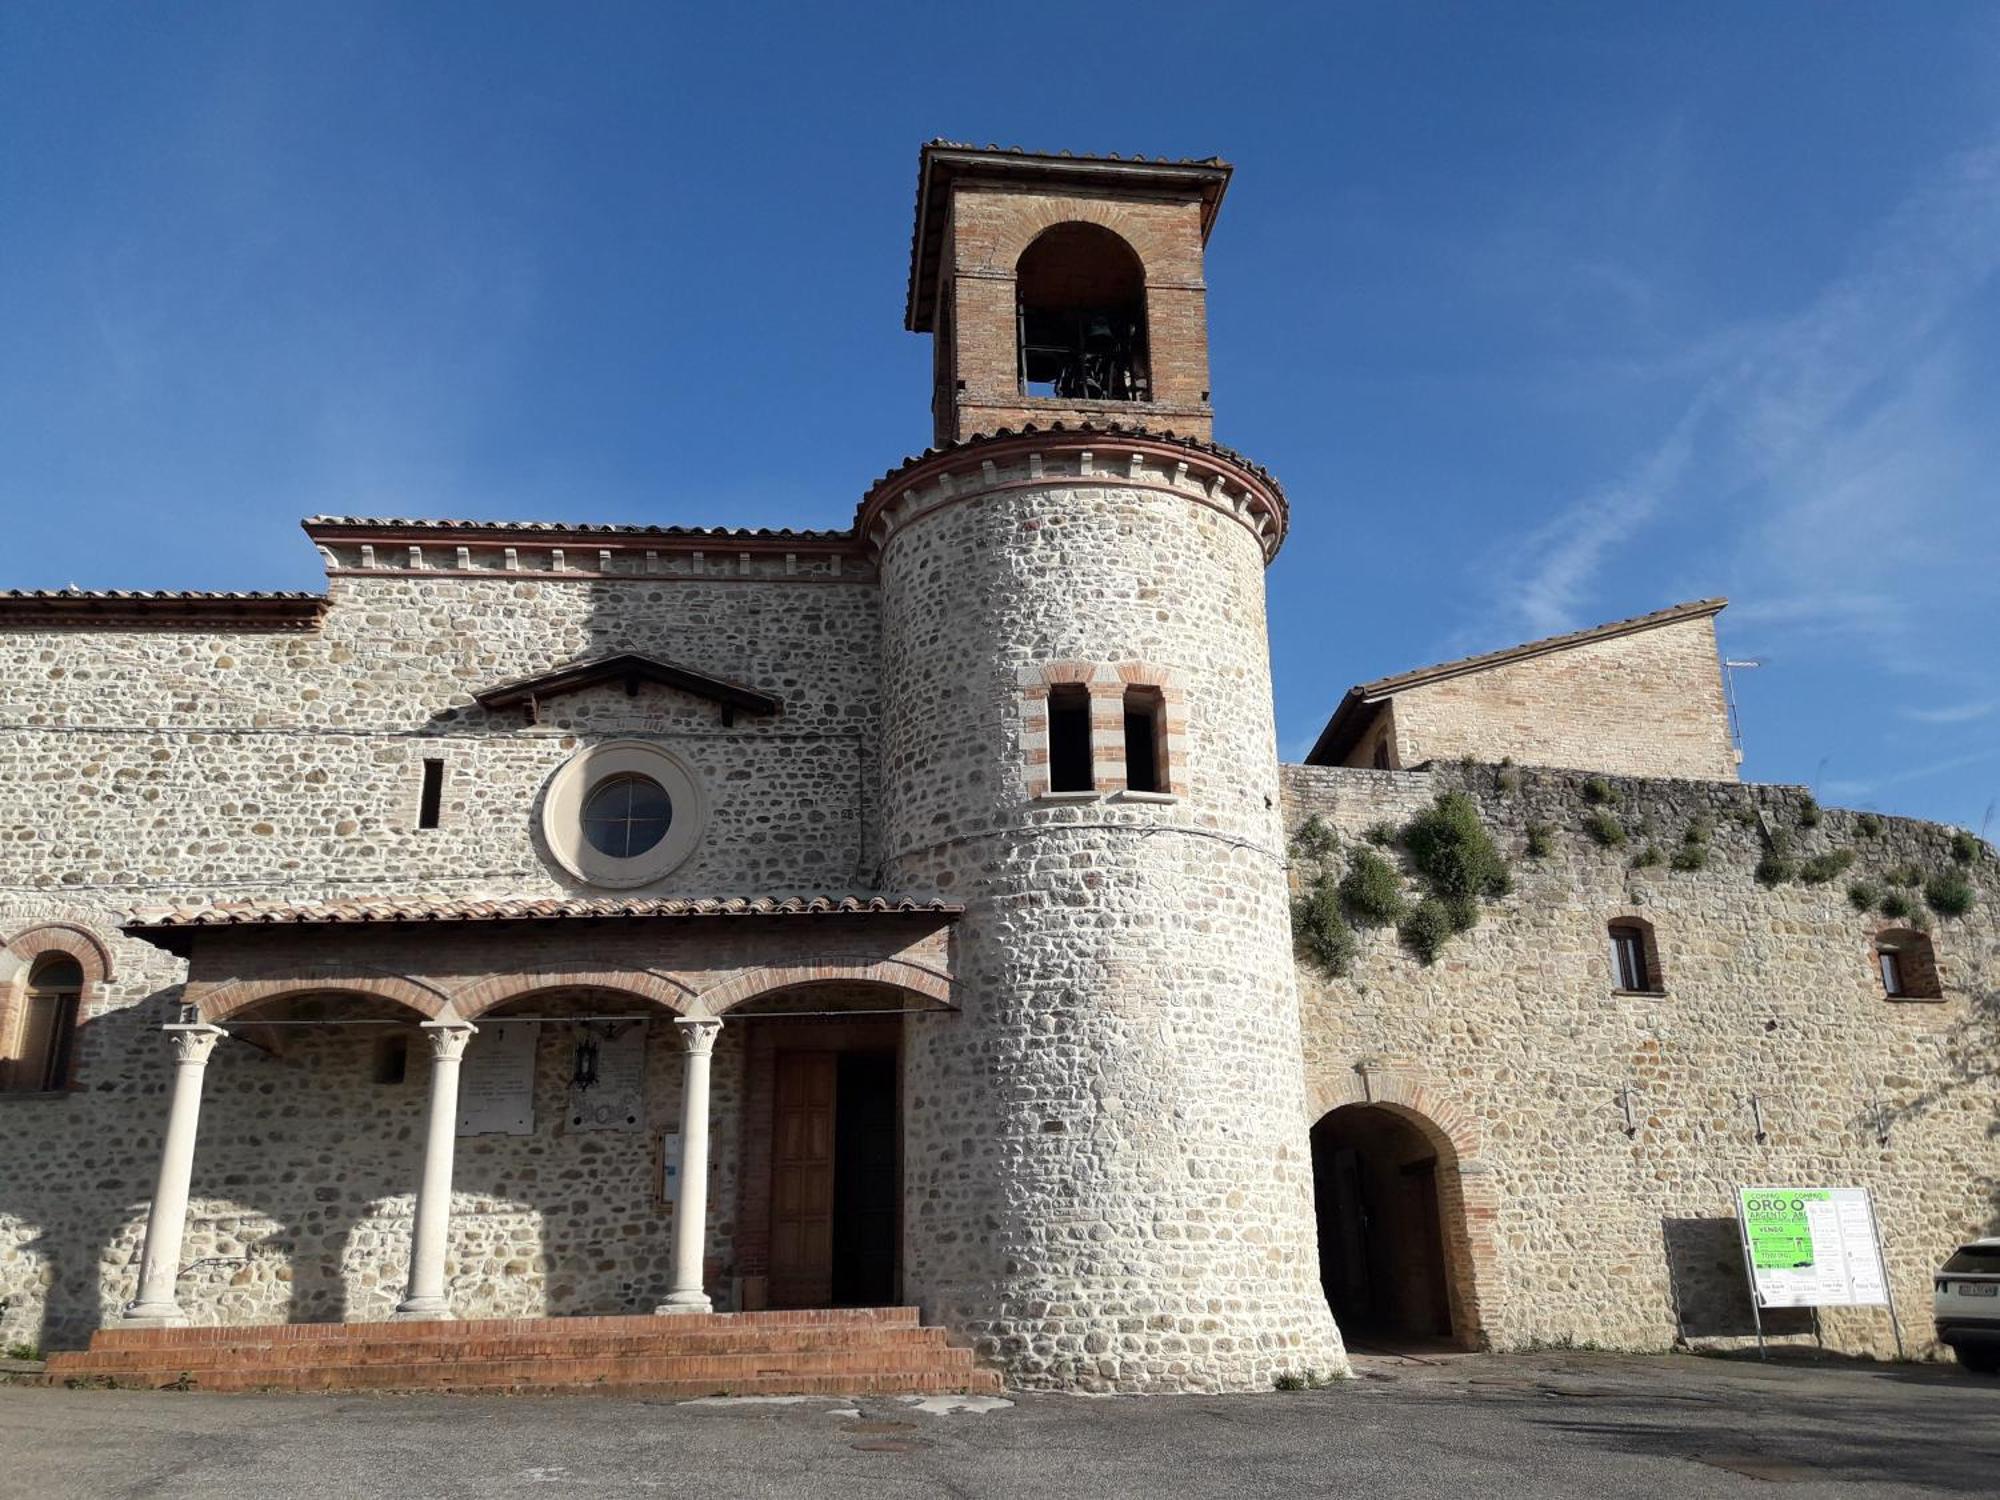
(616, 1097)
(496, 1081)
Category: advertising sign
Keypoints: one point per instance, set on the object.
(1812, 1247)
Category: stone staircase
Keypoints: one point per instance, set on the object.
(828, 1352)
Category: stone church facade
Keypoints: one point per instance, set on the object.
(584, 920)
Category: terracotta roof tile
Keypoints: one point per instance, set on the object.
(561, 908)
(316, 524)
(288, 609)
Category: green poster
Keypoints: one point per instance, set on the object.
(1780, 1236)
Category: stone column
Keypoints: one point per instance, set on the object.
(160, 1262)
(425, 1297)
(691, 1213)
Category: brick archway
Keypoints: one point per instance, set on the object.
(216, 1004)
(81, 944)
(896, 974)
(1468, 1198)
(487, 994)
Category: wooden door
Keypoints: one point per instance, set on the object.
(802, 1180)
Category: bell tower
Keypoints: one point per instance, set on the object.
(1106, 1164)
(1063, 289)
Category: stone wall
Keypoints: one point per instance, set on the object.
(1645, 704)
(146, 766)
(1512, 1050)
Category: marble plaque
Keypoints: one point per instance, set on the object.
(496, 1081)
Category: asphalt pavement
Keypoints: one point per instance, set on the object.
(1548, 1425)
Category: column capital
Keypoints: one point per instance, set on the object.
(697, 1033)
(448, 1038)
(193, 1041)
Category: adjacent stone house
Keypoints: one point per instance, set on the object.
(593, 919)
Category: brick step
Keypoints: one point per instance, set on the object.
(333, 1333)
(821, 1374)
(386, 1347)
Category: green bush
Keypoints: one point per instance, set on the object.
(1700, 830)
(1647, 857)
(1821, 868)
(1691, 857)
(1964, 847)
(1454, 854)
(1868, 826)
(1383, 835)
(1541, 840)
(1427, 929)
(1319, 932)
(1776, 868)
(1371, 892)
(1949, 894)
(1747, 816)
(1314, 840)
(1606, 829)
(1809, 812)
(1600, 793)
(1509, 779)
(1895, 904)
(1907, 876)
(1863, 895)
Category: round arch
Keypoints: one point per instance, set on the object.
(1440, 1171)
(217, 1005)
(897, 974)
(80, 943)
(494, 991)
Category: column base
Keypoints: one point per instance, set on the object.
(684, 1302)
(421, 1310)
(152, 1315)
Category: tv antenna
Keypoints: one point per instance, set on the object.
(1731, 665)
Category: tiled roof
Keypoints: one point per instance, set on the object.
(1075, 429)
(375, 525)
(62, 606)
(571, 908)
(1211, 172)
(1350, 719)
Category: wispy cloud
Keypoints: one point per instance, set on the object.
(1953, 713)
(1817, 445)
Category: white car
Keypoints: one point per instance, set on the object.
(1967, 1305)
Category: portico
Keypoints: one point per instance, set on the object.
(553, 1209)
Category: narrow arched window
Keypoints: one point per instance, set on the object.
(1635, 960)
(47, 1035)
(1081, 305)
(1906, 963)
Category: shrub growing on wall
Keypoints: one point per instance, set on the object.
(1372, 891)
(1319, 931)
(1458, 865)
(1949, 894)
(1427, 928)
(1821, 868)
(1606, 829)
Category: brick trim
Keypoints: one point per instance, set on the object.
(1106, 683)
(217, 1002)
(483, 995)
(898, 974)
(30, 945)
(1468, 1197)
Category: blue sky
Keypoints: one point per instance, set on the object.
(1545, 314)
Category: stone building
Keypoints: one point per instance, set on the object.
(585, 920)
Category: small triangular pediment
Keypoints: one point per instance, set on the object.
(627, 669)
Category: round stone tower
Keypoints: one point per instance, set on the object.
(1108, 1182)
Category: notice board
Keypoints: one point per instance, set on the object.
(496, 1081)
(1812, 1247)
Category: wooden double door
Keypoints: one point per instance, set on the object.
(836, 1179)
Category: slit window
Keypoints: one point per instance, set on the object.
(392, 1059)
(1069, 739)
(48, 1025)
(1145, 741)
(431, 802)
